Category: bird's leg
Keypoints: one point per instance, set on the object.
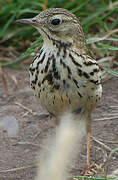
(88, 146)
(88, 141)
(88, 137)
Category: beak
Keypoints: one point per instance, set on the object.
(31, 21)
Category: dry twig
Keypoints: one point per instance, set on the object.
(102, 144)
(19, 169)
(26, 108)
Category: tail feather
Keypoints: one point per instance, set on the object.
(63, 149)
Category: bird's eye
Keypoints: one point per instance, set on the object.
(56, 21)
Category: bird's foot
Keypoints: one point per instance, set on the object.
(92, 169)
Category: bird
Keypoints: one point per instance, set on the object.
(64, 75)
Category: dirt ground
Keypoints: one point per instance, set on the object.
(20, 145)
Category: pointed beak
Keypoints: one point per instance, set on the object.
(31, 21)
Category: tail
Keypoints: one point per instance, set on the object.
(62, 150)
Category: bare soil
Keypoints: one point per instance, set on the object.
(18, 153)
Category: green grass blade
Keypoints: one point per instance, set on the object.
(110, 71)
(7, 25)
(95, 39)
(107, 47)
(91, 178)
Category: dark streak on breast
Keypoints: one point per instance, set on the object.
(73, 60)
(47, 65)
(55, 71)
(31, 69)
(64, 52)
(79, 72)
(76, 83)
(94, 82)
(86, 75)
(49, 78)
(94, 71)
(38, 55)
(89, 63)
(42, 59)
(66, 67)
(79, 93)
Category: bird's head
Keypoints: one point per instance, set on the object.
(57, 24)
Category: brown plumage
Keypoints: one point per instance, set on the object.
(63, 74)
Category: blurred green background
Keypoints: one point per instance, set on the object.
(98, 18)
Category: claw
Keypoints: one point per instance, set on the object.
(93, 169)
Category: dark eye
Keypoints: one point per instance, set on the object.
(56, 21)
